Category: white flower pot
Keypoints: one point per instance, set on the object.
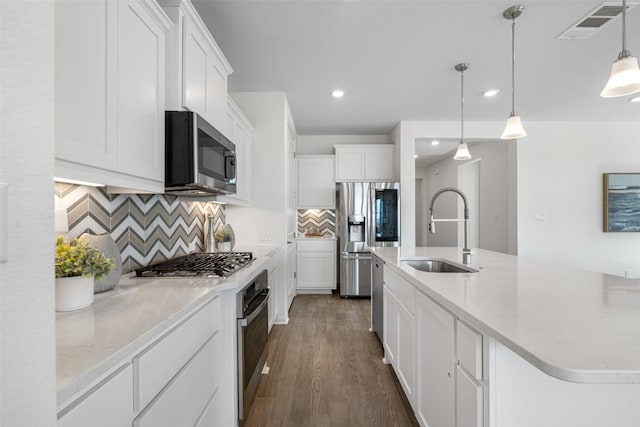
(224, 246)
(73, 293)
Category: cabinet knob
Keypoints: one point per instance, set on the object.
(449, 374)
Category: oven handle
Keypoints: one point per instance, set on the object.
(245, 321)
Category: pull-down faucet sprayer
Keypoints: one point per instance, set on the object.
(466, 252)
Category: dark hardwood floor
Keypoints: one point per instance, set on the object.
(327, 370)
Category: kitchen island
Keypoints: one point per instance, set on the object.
(118, 334)
(555, 345)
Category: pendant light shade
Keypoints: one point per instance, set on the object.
(625, 75)
(514, 129)
(624, 79)
(462, 153)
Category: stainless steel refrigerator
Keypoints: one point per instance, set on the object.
(367, 215)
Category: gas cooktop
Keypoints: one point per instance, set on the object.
(215, 264)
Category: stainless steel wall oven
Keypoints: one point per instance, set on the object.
(253, 337)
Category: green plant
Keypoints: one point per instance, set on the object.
(78, 259)
(223, 235)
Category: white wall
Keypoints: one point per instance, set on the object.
(495, 226)
(27, 329)
(266, 216)
(323, 144)
(560, 167)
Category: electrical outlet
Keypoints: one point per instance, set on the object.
(539, 216)
(192, 247)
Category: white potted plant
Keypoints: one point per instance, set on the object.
(223, 237)
(77, 266)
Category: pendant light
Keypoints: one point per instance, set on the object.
(625, 75)
(514, 128)
(463, 151)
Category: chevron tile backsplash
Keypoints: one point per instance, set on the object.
(147, 228)
(322, 219)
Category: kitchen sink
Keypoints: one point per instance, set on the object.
(438, 265)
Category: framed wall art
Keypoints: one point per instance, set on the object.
(621, 202)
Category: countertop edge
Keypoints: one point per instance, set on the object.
(562, 373)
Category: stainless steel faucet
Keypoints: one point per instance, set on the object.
(466, 252)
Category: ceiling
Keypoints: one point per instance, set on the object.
(395, 60)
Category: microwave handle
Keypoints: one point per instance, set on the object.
(230, 166)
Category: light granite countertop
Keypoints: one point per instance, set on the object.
(91, 342)
(573, 324)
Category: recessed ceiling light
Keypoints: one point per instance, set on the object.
(635, 99)
(337, 93)
(415, 156)
(435, 142)
(491, 93)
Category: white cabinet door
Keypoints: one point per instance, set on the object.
(240, 131)
(141, 51)
(469, 404)
(290, 280)
(84, 105)
(405, 357)
(350, 164)
(435, 364)
(195, 64)
(316, 182)
(316, 270)
(379, 163)
(216, 91)
(390, 329)
(110, 405)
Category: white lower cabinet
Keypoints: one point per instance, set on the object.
(437, 358)
(436, 371)
(316, 265)
(110, 404)
(469, 400)
(182, 378)
(399, 330)
(184, 399)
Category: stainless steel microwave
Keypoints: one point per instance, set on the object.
(199, 159)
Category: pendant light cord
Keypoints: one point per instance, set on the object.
(513, 67)
(461, 106)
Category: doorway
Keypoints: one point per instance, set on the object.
(469, 184)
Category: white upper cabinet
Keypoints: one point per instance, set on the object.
(197, 70)
(364, 162)
(316, 182)
(141, 54)
(240, 131)
(110, 85)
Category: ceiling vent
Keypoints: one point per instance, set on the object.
(595, 20)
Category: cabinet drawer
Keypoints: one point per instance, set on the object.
(155, 367)
(469, 345)
(402, 289)
(108, 405)
(316, 245)
(185, 398)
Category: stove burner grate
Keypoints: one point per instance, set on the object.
(217, 264)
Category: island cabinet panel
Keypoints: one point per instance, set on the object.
(109, 404)
(435, 403)
(399, 330)
(469, 400)
(469, 349)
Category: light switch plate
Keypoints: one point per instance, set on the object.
(4, 221)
